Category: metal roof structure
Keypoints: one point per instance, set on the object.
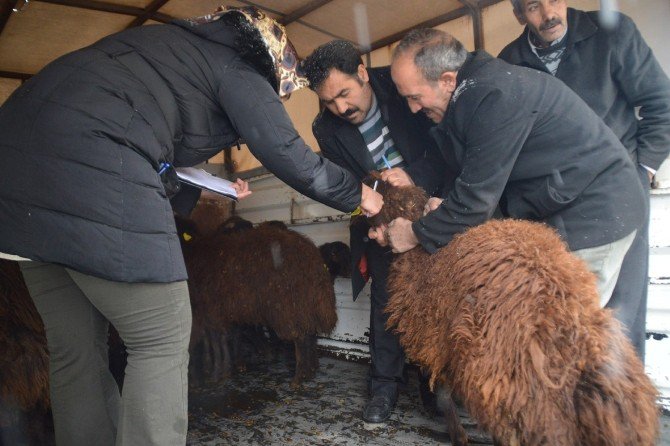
(35, 32)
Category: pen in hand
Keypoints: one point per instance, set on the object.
(386, 162)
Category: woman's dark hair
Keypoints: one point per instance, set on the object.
(252, 47)
(342, 55)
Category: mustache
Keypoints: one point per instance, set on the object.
(548, 24)
(349, 112)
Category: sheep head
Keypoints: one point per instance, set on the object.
(407, 201)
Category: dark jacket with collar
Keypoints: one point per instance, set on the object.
(82, 141)
(522, 138)
(614, 71)
(342, 143)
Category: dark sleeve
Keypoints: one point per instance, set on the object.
(185, 200)
(493, 130)
(429, 171)
(327, 149)
(645, 85)
(505, 53)
(259, 117)
(511, 52)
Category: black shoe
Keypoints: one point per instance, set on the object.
(378, 409)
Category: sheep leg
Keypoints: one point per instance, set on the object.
(195, 363)
(274, 344)
(306, 360)
(299, 363)
(236, 356)
(259, 341)
(224, 341)
(313, 355)
(457, 433)
(207, 356)
(217, 343)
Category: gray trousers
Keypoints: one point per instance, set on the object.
(154, 322)
(629, 299)
(605, 262)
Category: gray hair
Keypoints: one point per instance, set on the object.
(434, 52)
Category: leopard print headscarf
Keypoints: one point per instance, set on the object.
(280, 49)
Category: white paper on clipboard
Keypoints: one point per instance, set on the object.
(199, 178)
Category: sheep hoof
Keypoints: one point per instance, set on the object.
(459, 440)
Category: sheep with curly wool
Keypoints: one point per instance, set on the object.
(263, 276)
(24, 362)
(509, 320)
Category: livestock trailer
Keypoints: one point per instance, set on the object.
(32, 33)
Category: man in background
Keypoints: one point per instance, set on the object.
(609, 65)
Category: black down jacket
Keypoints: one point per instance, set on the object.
(82, 142)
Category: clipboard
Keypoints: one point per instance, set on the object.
(204, 180)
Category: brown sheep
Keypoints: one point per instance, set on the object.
(24, 362)
(24, 376)
(264, 276)
(210, 211)
(337, 258)
(509, 320)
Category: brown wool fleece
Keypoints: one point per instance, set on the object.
(265, 276)
(24, 362)
(509, 320)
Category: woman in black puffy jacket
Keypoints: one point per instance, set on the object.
(88, 145)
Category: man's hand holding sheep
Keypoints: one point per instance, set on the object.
(397, 177)
(399, 233)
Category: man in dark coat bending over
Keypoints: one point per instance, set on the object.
(612, 69)
(523, 139)
(365, 126)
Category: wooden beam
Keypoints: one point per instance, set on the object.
(303, 11)
(6, 8)
(486, 3)
(149, 12)
(15, 75)
(96, 5)
(453, 15)
(477, 28)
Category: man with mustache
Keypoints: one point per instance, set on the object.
(521, 139)
(364, 126)
(609, 65)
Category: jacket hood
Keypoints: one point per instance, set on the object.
(261, 41)
(235, 32)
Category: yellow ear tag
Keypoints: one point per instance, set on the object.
(357, 211)
(187, 236)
